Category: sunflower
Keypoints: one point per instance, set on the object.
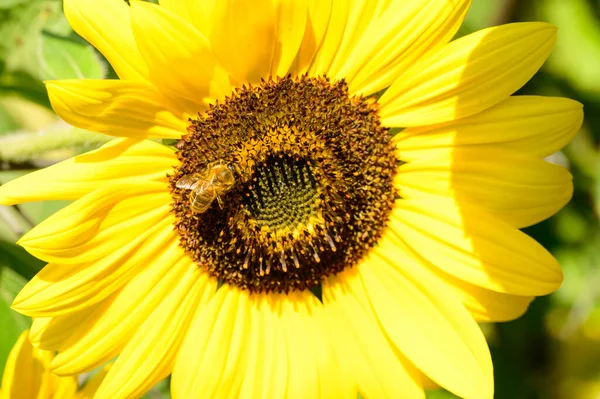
(27, 376)
(279, 240)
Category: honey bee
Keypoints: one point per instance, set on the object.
(208, 185)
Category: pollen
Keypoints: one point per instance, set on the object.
(313, 171)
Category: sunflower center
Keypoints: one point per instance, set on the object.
(284, 195)
(284, 184)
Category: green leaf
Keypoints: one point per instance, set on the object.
(36, 39)
(39, 211)
(6, 4)
(440, 394)
(24, 85)
(482, 13)
(572, 226)
(23, 114)
(64, 58)
(576, 55)
(8, 175)
(12, 322)
(11, 226)
(21, 37)
(19, 260)
(7, 121)
(55, 21)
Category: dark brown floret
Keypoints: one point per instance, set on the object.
(313, 191)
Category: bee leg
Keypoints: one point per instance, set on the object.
(219, 202)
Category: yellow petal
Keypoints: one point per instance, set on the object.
(26, 374)
(50, 333)
(338, 18)
(62, 288)
(443, 340)
(254, 345)
(361, 15)
(37, 327)
(91, 385)
(203, 362)
(149, 355)
(263, 358)
(348, 21)
(44, 336)
(467, 75)
(118, 108)
(333, 382)
(165, 40)
(313, 369)
(22, 373)
(258, 39)
(114, 323)
(84, 231)
(314, 31)
(516, 188)
(473, 246)
(534, 125)
(483, 304)
(291, 22)
(394, 40)
(80, 324)
(362, 347)
(117, 161)
(486, 305)
(64, 387)
(106, 25)
(195, 12)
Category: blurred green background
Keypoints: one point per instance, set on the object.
(551, 352)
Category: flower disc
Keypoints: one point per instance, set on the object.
(313, 187)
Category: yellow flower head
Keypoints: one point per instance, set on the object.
(27, 376)
(289, 246)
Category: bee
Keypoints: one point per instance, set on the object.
(216, 179)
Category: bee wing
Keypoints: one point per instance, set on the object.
(188, 182)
